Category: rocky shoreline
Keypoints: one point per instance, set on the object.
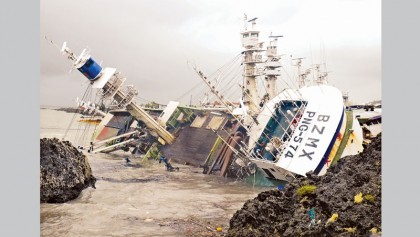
(344, 202)
(64, 171)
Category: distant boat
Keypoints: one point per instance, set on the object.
(370, 118)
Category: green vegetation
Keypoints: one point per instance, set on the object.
(306, 190)
(370, 198)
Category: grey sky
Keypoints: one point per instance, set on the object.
(150, 41)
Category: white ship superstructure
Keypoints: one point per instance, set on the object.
(252, 57)
(272, 69)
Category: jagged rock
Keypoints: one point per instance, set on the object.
(64, 171)
(285, 214)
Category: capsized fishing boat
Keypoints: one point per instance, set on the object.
(303, 130)
(297, 130)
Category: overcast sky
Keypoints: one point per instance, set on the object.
(151, 41)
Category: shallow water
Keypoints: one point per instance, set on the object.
(141, 199)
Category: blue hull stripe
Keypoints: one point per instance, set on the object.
(327, 153)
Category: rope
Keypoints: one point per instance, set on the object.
(74, 116)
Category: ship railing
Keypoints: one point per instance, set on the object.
(113, 85)
(254, 59)
(130, 93)
(293, 124)
(285, 138)
(254, 72)
(272, 72)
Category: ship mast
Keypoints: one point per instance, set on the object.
(252, 57)
(301, 76)
(321, 77)
(271, 68)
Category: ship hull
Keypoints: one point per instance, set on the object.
(303, 130)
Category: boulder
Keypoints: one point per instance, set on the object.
(346, 201)
(64, 171)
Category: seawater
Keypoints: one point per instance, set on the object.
(136, 200)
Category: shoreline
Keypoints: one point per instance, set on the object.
(144, 199)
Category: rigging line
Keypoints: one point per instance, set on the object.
(283, 83)
(82, 136)
(221, 79)
(325, 56)
(301, 109)
(190, 90)
(94, 130)
(236, 93)
(288, 86)
(312, 60)
(230, 111)
(201, 95)
(291, 97)
(227, 79)
(268, 137)
(262, 83)
(224, 65)
(224, 78)
(238, 69)
(143, 99)
(227, 90)
(230, 68)
(74, 115)
(290, 80)
(87, 127)
(231, 97)
(222, 83)
(101, 99)
(235, 76)
(97, 101)
(273, 115)
(233, 66)
(249, 149)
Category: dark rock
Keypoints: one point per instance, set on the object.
(284, 213)
(64, 171)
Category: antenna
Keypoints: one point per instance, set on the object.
(298, 58)
(301, 76)
(253, 19)
(51, 42)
